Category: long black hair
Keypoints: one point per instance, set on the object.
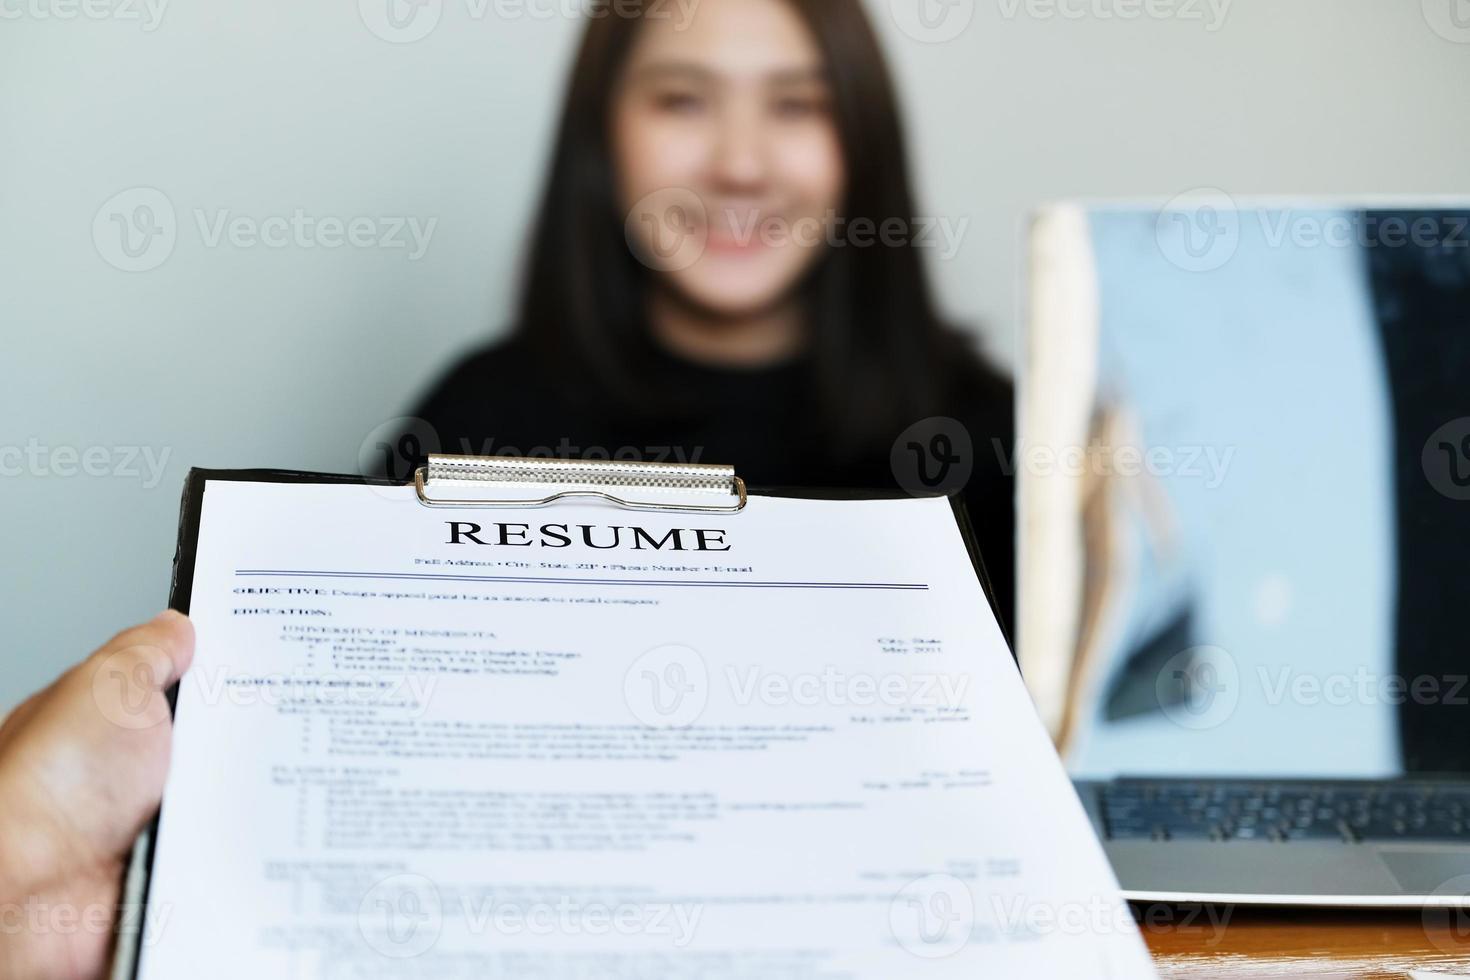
(880, 357)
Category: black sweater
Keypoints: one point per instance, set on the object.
(505, 400)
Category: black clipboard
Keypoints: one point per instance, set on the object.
(579, 479)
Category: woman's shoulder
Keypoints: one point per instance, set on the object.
(973, 385)
(493, 381)
(507, 367)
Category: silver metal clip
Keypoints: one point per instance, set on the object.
(541, 482)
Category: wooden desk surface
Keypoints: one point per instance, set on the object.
(1255, 944)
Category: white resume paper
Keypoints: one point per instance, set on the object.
(587, 742)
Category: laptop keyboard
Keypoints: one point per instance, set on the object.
(1284, 811)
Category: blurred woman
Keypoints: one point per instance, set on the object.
(724, 269)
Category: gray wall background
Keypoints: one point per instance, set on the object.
(237, 353)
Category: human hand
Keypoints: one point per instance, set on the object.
(82, 767)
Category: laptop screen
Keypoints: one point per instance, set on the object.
(1244, 461)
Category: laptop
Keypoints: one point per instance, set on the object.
(1244, 488)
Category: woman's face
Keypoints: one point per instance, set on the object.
(728, 161)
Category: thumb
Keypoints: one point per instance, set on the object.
(128, 674)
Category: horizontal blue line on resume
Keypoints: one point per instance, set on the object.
(538, 580)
